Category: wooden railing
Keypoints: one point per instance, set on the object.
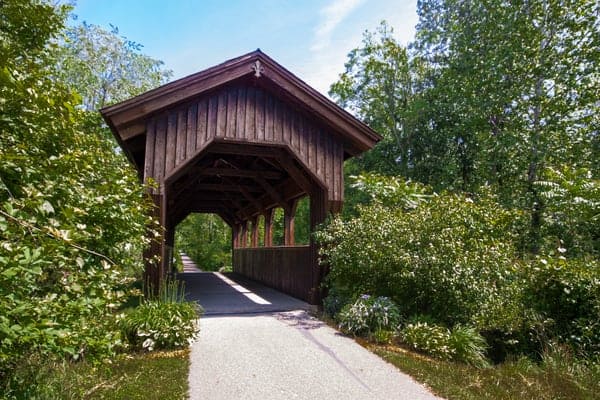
(285, 268)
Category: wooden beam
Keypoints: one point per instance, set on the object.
(244, 234)
(289, 222)
(288, 164)
(244, 149)
(240, 173)
(251, 199)
(133, 130)
(269, 214)
(288, 189)
(235, 235)
(219, 187)
(270, 190)
(254, 234)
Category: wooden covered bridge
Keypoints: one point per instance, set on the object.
(239, 140)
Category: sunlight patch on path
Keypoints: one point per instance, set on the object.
(249, 294)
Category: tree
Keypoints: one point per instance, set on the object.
(206, 239)
(72, 212)
(519, 83)
(377, 87)
(104, 67)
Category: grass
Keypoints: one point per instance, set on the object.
(148, 376)
(520, 379)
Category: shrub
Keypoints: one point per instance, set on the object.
(467, 346)
(165, 322)
(566, 294)
(429, 338)
(462, 343)
(72, 213)
(449, 258)
(334, 302)
(369, 314)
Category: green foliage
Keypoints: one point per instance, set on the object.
(368, 315)
(73, 216)
(334, 302)
(206, 239)
(450, 258)
(142, 376)
(565, 294)
(164, 322)
(462, 343)
(301, 223)
(490, 96)
(391, 190)
(377, 85)
(468, 346)
(572, 214)
(429, 338)
(104, 67)
(516, 379)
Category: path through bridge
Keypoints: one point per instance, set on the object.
(258, 343)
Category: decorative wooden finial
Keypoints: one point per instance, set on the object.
(257, 68)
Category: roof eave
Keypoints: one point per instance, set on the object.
(120, 116)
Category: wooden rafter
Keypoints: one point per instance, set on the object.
(240, 173)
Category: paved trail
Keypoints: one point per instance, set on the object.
(257, 343)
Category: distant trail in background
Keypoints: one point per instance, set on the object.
(189, 266)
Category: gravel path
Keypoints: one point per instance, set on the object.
(283, 355)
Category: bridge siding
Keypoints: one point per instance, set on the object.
(245, 114)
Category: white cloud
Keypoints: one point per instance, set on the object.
(331, 16)
(338, 32)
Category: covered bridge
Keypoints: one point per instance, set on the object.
(239, 140)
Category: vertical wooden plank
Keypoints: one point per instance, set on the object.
(159, 150)
(302, 139)
(231, 112)
(213, 104)
(312, 151)
(278, 122)
(293, 141)
(330, 162)
(149, 154)
(260, 115)
(341, 173)
(285, 122)
(240, 125)
(171, 142)
(190, 146)
(320, 147)
(180, 154)
(269, 118)
(202, 123)
(222, 115)
(336, 171)
(250, 114)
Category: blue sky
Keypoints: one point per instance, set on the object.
(310, 38)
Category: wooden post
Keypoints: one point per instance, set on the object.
(269, 227)
(244, 235)
(154, 254)
(254, 233)
(235, 236)
(318, 214)
(288, 221)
